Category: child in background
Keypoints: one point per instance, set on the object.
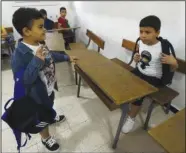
(63, 23)
(48, 24)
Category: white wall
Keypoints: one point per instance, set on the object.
(52, 8)
(114, 21)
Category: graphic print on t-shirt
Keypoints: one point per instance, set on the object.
(154, 68)
(145, 59)
(49, 74)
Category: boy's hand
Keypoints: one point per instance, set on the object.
(137, 57)
(168, 59)
(39, 53)
(73, 59)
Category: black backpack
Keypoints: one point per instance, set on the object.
(25, 115)
(167, 48)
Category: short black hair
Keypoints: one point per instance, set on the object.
(151, 21)
(43, 12)
(23, 17)
(62, 8)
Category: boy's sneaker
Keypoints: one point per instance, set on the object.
(128, 125)
(59, 118)
(50, 144)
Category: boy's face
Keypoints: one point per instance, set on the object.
(63, 13)
(44, 16)
(148, 35)
(37, 31)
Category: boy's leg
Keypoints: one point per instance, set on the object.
(45, 133)
(130, 120)
(57, 118)
(135, 108)
(49, 142)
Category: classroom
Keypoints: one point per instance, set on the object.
(93, 76)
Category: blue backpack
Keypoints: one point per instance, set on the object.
(24, 115)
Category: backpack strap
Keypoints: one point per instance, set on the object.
(18, 139)
(5, 106)
(167, 74)
(134, 51)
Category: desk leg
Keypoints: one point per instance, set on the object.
(76, 77)
(123, 115)
(79, 85)
(149, 115)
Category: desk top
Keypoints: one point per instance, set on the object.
(171, 134)
(118, 83)
(88, 57)
(63, 29)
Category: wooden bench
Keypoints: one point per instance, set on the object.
(165, 95)
(171, 134)
(92, 36)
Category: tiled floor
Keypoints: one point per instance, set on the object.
(90, 126)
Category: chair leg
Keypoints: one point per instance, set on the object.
(79, 85)
(76, 77)
(149, 115)
(167, 109)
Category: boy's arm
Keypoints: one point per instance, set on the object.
(171, 60)
(32, 71)
(59, 57)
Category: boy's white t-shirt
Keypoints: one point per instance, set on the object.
(155, 66)
(47, 75)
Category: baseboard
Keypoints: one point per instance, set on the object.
(173, 109)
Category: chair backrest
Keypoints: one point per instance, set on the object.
(129, 45)
(96, 39)
(9, 30)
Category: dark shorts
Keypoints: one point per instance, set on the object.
(151, 80)
(68, 36)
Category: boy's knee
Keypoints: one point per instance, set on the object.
(138, 102)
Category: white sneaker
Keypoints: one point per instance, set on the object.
(128, 125)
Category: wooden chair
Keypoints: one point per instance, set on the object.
(92, 37)
(165, 95)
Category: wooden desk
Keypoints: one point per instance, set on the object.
(110, 82)
(171, 134)
(63, 29)
(117, 85)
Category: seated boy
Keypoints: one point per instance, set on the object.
(39, 67)
(63, 23)
(152, 73)
(48, 24)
